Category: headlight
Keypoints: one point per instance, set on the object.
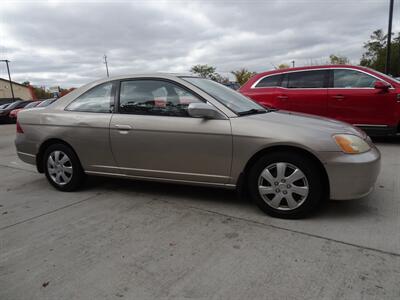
(351, 144)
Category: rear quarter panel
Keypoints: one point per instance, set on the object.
(86, 133)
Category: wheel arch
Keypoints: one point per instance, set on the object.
(242, 182)
(44, 146)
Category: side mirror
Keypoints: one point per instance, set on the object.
(203, 110)
(380, 85)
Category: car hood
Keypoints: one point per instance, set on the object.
(293, 128)
(311, 122)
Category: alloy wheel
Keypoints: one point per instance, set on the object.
(59, 167)
(283, 186)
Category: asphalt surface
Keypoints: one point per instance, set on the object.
(137, 240)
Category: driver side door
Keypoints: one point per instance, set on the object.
(153, 136)
(353, 99)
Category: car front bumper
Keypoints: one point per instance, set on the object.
(352, 176)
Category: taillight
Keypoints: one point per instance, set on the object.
(19, 128)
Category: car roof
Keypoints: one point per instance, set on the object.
(278, 71)
(156, 75)
(256, 77)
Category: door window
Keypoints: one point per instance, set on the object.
(307, 79)
(270, 81)
(98, 100)
(352, 79)
(155, 97)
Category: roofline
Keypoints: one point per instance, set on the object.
(256, 78)
(13, 82)
(157, 74)
(309, 68)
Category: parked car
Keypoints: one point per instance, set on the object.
(8, 100)
(4, 105)
(5, 112)
(356, 95)
(232, 85)
(47, 102)
(14, 112)
(203, 134)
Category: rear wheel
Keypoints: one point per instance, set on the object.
(286, 184)
(62, 167)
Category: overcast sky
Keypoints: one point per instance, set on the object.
(57, 43)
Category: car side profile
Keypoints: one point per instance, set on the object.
(13, 114)
(6, 110)
(357, 95)
(191, 130)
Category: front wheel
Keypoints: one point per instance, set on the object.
(286, 184)
(62, 167)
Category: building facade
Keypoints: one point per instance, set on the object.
(21, 92)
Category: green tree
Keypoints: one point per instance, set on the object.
(338, 60)
(26, 83)
(375, 53)
(204, 71)
(283, 66)
(41, 93)
(242, 75)
(207, 71)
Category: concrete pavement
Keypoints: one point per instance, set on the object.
(138, 240)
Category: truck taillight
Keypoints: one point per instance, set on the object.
(19, 128)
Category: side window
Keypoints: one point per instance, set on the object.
(98, 100)
(270, 81)
(154, 97)
(352, 79)
(307, 79)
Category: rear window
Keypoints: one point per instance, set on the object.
(270, 81)
(307, 79)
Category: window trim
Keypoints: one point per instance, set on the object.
(112, 99)
(118, 94)
(254, 85)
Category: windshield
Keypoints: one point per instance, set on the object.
(32, 104)
(227, 96)
(385, 75)
(45, 103)
(13, 105)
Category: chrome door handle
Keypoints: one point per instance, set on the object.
(283, 97)
(338, 97)
(123, 127)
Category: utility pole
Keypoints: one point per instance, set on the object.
(389, 39)
(105, 61)
(9, 78)
(293, 63)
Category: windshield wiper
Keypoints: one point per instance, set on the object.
(252, 111)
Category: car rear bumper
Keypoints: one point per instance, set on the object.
(26, 150)
(26, 157)
(352, 176)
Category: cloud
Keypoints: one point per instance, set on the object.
(63, 43)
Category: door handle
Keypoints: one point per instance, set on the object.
(123, 127)
(338, 97)
(283, 97)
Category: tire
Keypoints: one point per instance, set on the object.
(63, 168)
(286, 196)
